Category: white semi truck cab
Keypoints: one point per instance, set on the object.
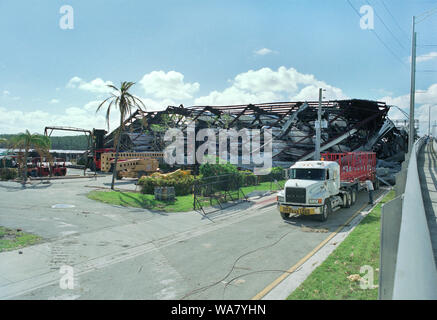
(320, 187)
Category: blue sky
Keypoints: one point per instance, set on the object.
(204, 52)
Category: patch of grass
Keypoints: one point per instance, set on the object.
(11, 239)
(139, 200)
(264, 186)
(181, 204)
(330, 280)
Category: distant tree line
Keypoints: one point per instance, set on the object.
(59, 143)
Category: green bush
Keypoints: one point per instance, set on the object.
(221, 177)
(277, 173)
(248, 179)
(8, 173)
(182, 185)
(214, 170)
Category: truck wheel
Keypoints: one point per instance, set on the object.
(348, 197)
(353, 196)
(285, 216)
(326, 210)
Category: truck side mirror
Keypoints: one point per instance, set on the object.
(286, 174)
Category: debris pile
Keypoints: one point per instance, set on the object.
(352, 125)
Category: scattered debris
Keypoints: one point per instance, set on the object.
(354, 278)
(315, 230)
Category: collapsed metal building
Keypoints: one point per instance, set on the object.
(352, 125)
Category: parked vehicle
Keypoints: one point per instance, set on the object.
(8, 161)
(39, 168)
(322, 187)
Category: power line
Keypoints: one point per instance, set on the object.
(427, 13)
(379, 38)
(394, 19)
(388, 29)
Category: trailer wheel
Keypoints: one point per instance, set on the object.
(353, 196)
(285, 216)
(326, 211)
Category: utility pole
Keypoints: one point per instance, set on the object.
(413, 88)
(429, 121)
(319, 127)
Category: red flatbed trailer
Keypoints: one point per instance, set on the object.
(354, 166)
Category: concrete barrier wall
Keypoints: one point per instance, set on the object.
(391, 214)
(415, 274)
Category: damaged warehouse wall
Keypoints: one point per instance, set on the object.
(353, 125)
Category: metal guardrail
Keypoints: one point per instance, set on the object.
(408, 268)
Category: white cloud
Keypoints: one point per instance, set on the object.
(92, 105)
(170, 85)
(157, 105)
(267, 85)
(14, 121)
(7, 94)
(424, 57)
(85, 116)
(263, 51)
(95, 86)
(424, 99)
(54, 101)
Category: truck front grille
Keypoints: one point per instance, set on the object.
(295, 195)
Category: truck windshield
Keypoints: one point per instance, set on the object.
(308, 174)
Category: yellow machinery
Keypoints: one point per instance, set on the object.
(132, 164)
(177, 173)
(136, 168)
(107, 158)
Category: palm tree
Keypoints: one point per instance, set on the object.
(122, 99)
(26, 141)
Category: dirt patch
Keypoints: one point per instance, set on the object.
(11, 239)
(315, 230)
(9, 234)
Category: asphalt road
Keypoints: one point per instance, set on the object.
(129, 253)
